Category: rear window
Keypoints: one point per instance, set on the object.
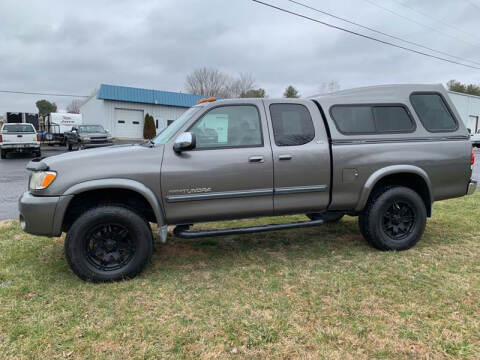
(292, 124)
(433, 112)
(18, 128)
(371, 119)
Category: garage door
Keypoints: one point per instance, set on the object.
(129, 123)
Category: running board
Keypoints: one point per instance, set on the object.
(182, 231)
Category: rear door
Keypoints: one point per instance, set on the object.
(301, 156)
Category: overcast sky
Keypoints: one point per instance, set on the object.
(72, 47)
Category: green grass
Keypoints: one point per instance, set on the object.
(311, 293)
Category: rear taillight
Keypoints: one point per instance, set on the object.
(1, 138)
(472, 159)
(38, 137)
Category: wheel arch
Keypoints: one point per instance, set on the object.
(110, 185)
(406, 175)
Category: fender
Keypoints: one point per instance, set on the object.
(391, 170)
(117, 183)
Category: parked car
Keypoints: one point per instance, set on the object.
(384, 154)
(19, 138)
(475, 139)
(88, 136)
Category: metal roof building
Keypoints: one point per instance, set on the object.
(122, 109)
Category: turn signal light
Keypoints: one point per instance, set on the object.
(48, 179)
(472, 159)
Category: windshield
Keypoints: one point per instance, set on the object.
(18, 128)
(171, 130)
(91, 129)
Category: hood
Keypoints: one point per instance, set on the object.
(134, 162)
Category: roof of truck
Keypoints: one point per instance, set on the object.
(381, 92)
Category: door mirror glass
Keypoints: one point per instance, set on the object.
(185, 141)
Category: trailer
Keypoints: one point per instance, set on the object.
(22, 118)
(55, 125)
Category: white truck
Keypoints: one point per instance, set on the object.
(19, 138)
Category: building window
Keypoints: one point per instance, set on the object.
(292, 124)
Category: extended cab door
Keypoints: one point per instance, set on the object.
(301, 156)
(230, 172)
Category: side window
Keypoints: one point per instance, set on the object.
(433, 112)
(229, 126)
(353, 119)
(292, 124)
(371, 119)
(392, 119)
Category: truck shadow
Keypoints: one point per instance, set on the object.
(279, 246)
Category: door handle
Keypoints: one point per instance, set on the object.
(257, 159)
(285, 157)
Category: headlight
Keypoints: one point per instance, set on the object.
(41, 179)
(85, 138)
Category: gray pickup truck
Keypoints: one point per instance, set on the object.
(383, 153)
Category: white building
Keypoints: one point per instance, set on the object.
(122, 110)
(469, 108)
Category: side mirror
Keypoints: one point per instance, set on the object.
(185, 141)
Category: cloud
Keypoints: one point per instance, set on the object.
(60, 46)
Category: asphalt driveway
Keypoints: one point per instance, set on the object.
(14, 179)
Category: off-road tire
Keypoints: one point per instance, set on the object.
(76, 243)
(327, 217)
(372, 219)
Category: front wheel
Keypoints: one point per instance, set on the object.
(108, 243)
(393, 219)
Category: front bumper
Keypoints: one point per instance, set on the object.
(472, 187)
(42, 215)
(88, 145)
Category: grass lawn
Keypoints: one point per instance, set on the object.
(311, 293)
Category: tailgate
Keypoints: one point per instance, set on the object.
(19, 138)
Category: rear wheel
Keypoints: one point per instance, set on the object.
(327, 217)
(393, 219)
(108, 243)
(3, 154)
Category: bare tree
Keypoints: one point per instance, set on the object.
(74, 106)
(241, 85)
(213, 82)
(330, 87)
(208, 82)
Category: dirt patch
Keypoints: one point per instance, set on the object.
(5, 223)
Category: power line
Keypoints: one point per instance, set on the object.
(380, 32)
(418, 22)
(434, 19)
(362, 35)
(41, 93)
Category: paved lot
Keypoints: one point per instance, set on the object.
(14, 178)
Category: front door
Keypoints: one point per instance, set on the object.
(301, 157)
(230, 172)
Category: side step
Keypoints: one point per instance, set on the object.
(182, 231)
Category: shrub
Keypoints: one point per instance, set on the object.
(149, 130)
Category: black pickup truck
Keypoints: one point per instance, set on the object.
(87, 136)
